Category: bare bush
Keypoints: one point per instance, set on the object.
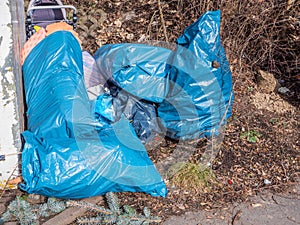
(259, 34)
(263, 34)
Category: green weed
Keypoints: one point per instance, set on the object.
(251, 136)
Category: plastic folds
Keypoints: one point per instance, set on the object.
(76, 147)
(190, 87)
(66, 153)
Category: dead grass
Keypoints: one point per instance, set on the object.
(191, 176)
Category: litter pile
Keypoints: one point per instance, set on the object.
(77, 146)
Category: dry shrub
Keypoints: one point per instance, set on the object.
(263, 34)
(258, 34)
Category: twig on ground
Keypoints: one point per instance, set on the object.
(162, 20)
(148, 32)
(236, 217)
(7, 182)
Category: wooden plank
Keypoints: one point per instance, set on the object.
(69, 215)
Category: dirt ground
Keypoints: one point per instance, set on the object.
(257, 166)
(265, 208)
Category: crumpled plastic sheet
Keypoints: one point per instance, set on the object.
(77, 148)
(192, 98)
(66, 153)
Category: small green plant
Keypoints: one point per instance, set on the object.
(274, 120)
(191, 176)
(251, 136)
(115, 214)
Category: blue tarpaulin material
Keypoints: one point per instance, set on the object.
(76, 148)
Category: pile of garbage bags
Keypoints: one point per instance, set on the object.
(77, 147)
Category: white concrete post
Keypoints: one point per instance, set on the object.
(11, 94)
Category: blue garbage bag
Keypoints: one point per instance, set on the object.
(192, 97)
(200, 100)
(67, 152)
(75, 148)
